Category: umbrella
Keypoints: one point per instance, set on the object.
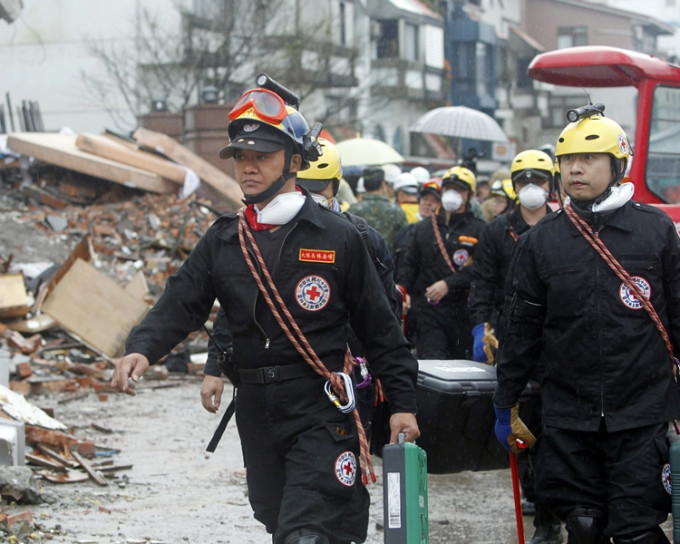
(366, 152)
(460, 122)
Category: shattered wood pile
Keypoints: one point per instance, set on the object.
(63, 323)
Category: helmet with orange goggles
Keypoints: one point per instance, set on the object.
(430, 188)
(264, 119)
(268, 106)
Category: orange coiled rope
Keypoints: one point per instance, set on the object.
(300, 342)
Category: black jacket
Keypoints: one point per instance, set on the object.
(327, 281)
(424, 263)
(602, 354)
(492, 260)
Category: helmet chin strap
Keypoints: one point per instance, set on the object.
(274, 187)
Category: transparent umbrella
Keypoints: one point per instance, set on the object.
(460, 122)
(366, 152)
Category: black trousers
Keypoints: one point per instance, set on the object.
(444, 330)
(619, 473)
(302, 461)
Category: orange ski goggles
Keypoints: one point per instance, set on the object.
(268, 106)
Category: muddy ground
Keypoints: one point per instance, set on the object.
(176, 492)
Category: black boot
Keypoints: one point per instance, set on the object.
(548, 527)
(548, 533)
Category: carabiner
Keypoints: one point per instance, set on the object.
(349, 389)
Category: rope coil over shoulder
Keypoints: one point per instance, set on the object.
(298, 339)
(623, 275)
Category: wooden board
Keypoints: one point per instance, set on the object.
(110, 149)
(95, 308)
(13, 297)
(61, 150)
(171, 148)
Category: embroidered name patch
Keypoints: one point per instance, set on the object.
(629, 298)
(312, 293)
(346, 468)
(317, 255)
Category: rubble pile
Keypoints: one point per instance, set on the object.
(66, 310)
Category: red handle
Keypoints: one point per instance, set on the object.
(514, 470)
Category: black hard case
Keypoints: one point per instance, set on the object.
(456, 416)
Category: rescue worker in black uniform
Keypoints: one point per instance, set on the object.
(302, 454)
(531, 174)
(438, 281)
(322, 180)
(608, 390)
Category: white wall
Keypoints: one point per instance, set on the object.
(45, 50)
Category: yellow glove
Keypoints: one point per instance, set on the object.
(490, 343)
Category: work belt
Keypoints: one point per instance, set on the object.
(273, 374)
(262, 375)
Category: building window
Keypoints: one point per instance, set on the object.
(343, 23)
(388, 39)
(571, 36)
(341, 109)
(411, 42)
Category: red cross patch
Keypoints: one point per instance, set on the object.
(346, 468)
(312, 293)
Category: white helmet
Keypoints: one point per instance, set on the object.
(406, 182)
(392, 171)
(421, 174)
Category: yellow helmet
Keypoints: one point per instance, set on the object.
(323, 171)
(532, 162)
(460, 174)
(594, 134)
(504, 188)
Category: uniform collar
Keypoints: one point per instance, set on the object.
(310, 212)
(620, 219)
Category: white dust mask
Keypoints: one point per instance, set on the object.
(451, 200)
(532, 196)
(281, 209)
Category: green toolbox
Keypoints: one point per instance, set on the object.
(405, 493)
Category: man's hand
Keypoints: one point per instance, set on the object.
(128, 372)
(403, 422)
(211, 393)
(510, 428)
(437, 291)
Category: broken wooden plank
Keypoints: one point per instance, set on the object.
(88, 468)
(92, 306)
(137, 286)
(61, 150)
(110, 149)
(56, 456)
(45, 463)
(68, 477)
(171, 148)
(13, 296)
